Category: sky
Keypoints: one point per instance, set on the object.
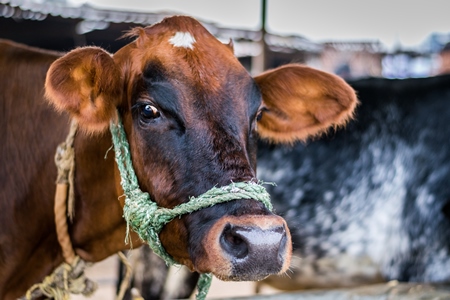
(393, 22)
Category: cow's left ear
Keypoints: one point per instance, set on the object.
(86, 83)
(302, 102)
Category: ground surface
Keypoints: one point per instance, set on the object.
(105, 274)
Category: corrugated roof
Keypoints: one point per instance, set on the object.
(246, 41)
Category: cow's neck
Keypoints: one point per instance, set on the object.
(98, 229)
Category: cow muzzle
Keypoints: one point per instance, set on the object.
(246, 248)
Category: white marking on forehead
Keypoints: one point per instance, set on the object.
(183, 39)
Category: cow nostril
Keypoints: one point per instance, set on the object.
(233, 243)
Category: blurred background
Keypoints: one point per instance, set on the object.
(352, 38)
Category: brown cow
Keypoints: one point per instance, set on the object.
(192, 115)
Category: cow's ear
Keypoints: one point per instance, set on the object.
(86, 83)
(302, 102)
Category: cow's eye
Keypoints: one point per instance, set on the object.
(150, 112)
(260, 114)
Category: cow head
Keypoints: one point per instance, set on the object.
(193, 115)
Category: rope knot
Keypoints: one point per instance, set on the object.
(63, 161)
(64, 156)
(66, 279)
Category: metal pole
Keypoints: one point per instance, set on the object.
(259, 62)
(263, 32)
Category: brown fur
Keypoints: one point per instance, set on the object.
(90, 84)
(302, 102)
(28, 246)
(26, 154)
(90, 91)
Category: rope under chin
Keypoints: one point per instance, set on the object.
(147, 219)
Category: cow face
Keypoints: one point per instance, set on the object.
(192, 116)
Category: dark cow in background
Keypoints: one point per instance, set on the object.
(192, 114)
(372, 202)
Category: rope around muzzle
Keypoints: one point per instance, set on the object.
(147, 219)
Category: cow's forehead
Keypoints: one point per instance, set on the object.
(187, 50)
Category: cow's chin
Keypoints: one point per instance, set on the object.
(242, 277)
(246, 248)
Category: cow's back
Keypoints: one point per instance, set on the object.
(30, 131)
(371, 202)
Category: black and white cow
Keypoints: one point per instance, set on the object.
(371, 202)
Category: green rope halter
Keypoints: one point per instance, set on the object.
(147, 219)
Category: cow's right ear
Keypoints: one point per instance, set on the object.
(86, 83)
